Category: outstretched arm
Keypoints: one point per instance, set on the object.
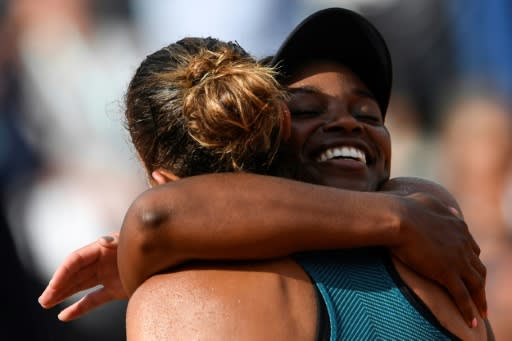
(246, 216)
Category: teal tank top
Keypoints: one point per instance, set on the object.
(366, 299)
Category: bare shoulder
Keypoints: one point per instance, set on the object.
(256, 301)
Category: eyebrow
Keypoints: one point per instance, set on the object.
(309, 89)
(364, 93)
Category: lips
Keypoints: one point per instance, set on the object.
(342, 152)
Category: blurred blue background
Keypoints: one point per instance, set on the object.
(68, 173)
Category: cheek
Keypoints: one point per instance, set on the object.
(300, 133)
(383, 139)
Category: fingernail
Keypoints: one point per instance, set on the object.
(454, 211)
(108, 239)
(474, 323)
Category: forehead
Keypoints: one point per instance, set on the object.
(329, 78)
(325, 74)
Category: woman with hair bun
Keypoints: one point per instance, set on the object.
(173, 103)
(204, 106)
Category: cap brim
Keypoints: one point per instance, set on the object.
(342, 36)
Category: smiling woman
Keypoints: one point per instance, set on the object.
(336, 109)
(346, 294)
(216, 218)
(338, 135)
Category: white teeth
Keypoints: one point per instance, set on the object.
(345, 152)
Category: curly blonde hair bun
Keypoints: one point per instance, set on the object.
(211, 108)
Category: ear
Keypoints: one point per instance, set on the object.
(286, 123)
(162, 176)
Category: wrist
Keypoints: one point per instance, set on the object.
(398, 228)
(382, 225)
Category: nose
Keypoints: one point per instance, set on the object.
(342, 121)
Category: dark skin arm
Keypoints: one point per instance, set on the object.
(246, 216)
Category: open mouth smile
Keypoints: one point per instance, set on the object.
(342, 152)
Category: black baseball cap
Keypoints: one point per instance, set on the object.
(343, 36)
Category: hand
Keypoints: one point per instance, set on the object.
(437, 244)
(85, 268)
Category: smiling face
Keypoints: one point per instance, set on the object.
(338, 137)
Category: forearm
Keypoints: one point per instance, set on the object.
(245, 216)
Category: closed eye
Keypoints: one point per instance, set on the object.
(371, 119)
(306, 102)
(367, 111)
(305, 113)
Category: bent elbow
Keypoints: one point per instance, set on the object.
(151, 217)
(149, 211)
(143, 248)
(147, 227)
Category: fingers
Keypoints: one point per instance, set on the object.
(77, 272)
(475, 281)
(475, 277)
(474, 245)
(77, 267)
(463, 299)
(479, 267)
(458, 214)
(74, 264)
(86, 304)
(82, 281)
(472, 241)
